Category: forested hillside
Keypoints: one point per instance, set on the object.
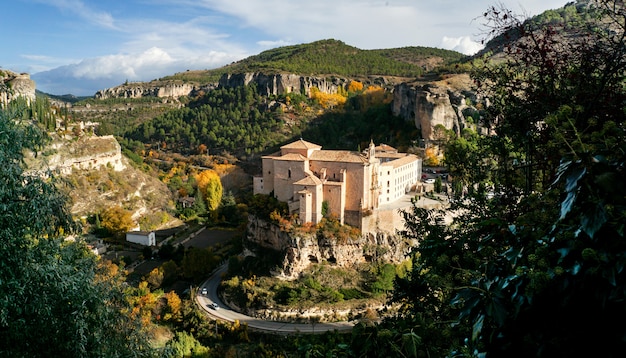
(332, 57)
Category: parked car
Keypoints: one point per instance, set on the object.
(214, 306)
(204, 291)
(429, 181)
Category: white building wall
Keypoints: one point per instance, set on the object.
(142, 238)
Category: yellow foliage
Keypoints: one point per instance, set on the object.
(222, 169)
(116, 220)
(327, 100)
(174, 304)
(355, 86)
(210, 185)
(431, 157)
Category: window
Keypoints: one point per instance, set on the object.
(289, 173)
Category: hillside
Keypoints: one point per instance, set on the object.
(333, 57)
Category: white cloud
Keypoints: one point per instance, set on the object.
(78, 7)
(107, 71)
(463, 44)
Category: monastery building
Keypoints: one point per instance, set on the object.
(355, 186)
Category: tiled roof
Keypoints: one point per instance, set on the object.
(396, 163)
(342, 156)
(301, 144)
(309, 180)
(385, 148)
(291, 156)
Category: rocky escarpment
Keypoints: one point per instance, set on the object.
(13, 85)
(283, 83)
(87, 152)
(451, 104)
(267, 84)
(172, 89)
(299, 250)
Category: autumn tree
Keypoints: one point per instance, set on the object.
(327, 100)
(117, 220)
(355, 86)
(210, 185)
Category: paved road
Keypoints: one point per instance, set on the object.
(226, 314)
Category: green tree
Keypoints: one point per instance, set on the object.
(551, 248)
(55, 299)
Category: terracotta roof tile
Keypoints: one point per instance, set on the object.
(309, 180)
(344, 156)
(301, 144)
(291, 156)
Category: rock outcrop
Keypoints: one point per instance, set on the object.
(430, 104)
(88, 152)
(172, 89)
(299, 250)
(13, 85)
(283, 83)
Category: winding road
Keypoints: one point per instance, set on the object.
(226, 314)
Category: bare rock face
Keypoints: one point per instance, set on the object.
(300, 250)
(283, 83)
(13, 85)
(88, 152)
(161, 90)
(430, 104)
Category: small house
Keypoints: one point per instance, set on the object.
(146, 238)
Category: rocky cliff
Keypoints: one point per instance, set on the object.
(170, 89)
(267, 84)
(299, 250)
(282, 83)
(87, 152)
(13, 85)
(449, 102)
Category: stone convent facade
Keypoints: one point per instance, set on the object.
(356, 186)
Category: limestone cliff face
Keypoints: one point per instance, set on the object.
(278, 84)
(13, 85)
(160, 90)
(428, 105)
(300, 250)
(88, 152)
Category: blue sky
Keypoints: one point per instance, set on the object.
(81, 46)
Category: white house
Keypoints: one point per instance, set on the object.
(141, 237)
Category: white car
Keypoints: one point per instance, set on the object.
(214, 306)
(204, 291)
(429, 181)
